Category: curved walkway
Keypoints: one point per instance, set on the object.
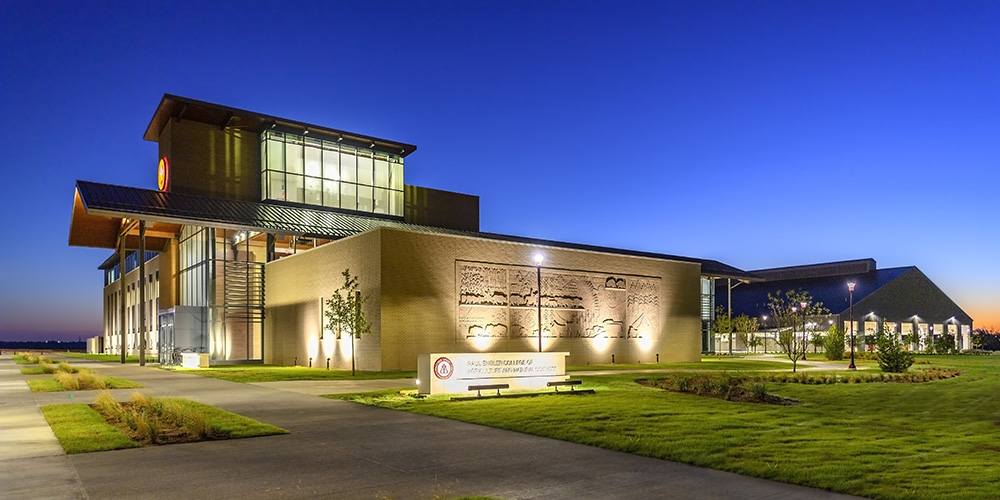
(338, 450)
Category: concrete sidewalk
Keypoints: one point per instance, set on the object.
(344, 450)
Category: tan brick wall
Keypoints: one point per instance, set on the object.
(112, 315)
(414, 305)
(208, 161)
(420, 303)
(293, 287)
(434, 207)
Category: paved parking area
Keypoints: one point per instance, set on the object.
(335, 449)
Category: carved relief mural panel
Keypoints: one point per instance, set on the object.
(499, 301)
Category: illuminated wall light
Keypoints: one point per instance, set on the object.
(600, 343)
(645, 341)
(481, 342)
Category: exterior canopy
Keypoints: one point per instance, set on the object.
(100, 211)
(181, 108)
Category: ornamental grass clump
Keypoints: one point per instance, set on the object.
(33, 358)
(192, 421)
(68, 380)
(91, 380)
(151, 420)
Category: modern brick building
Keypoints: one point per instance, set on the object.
(256, 217)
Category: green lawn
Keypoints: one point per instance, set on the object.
(110, 358)
(81, 429)
(270, 373)
(933, 440)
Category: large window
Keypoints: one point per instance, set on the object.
(196, 251)
(330, 174)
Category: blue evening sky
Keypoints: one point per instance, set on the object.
(760, 134)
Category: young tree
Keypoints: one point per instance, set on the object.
(911, 339)
(833, 343)
(724, 325)
(344, 314)
(787, 314)
(818, 340)
(892, 357)
(871, 341)
(945, 344)
(745, 327)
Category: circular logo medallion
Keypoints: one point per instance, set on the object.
(161, 174)
(443, 368)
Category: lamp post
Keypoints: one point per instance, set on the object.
(850, 290)
(538, 268)
(804, 345)
(357, 322)
(763, 327)
(795, 311)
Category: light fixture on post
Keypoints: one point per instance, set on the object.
(804, 345)
(850, 290)
(538, 268)
(795, 311)
(763, 326)
(357, 321)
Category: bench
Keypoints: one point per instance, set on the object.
(488, 387)
(559, 383)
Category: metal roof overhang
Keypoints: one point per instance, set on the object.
(102, 211)
(97, 230)
(183, 108)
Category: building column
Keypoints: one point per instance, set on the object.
(122, 292)
(142, 293)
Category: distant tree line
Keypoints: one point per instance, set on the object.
(986, 339)
(51, 345)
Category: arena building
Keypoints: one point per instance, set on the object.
(902, 300)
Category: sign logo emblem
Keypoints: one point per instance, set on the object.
(161, 174)
(443, 368)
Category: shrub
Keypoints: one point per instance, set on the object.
(892, 357)
(683, 383)
(759, 391)
(833, 344)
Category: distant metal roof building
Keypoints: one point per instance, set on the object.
(99, 209)
(896, 294)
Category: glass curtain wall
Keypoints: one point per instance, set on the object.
(237, 308)
(222, 273)
(707, 314)
(196, 257)
(311, 171)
